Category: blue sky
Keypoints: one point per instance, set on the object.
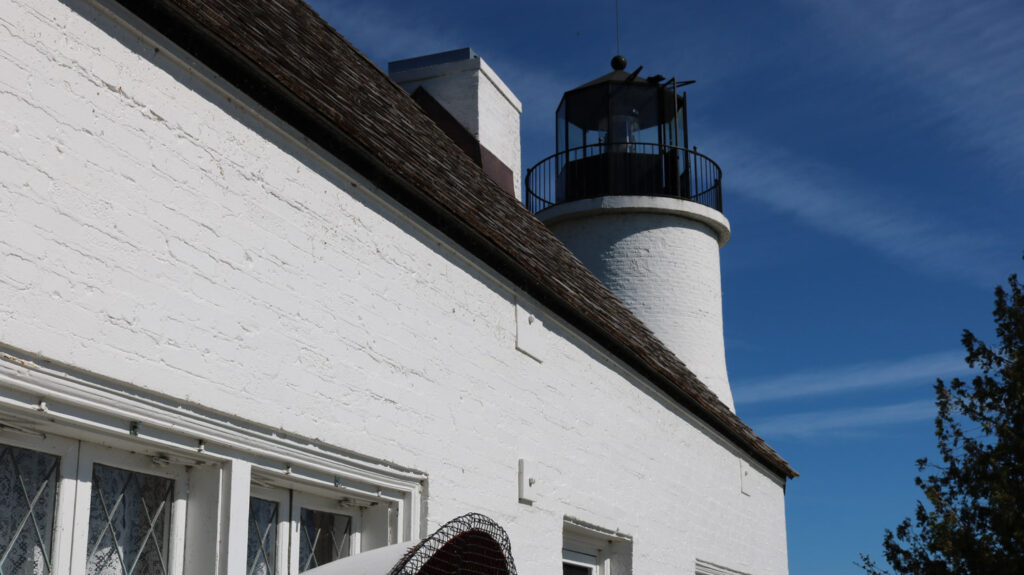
(873, 161)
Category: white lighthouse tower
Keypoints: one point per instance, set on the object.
(641, 210)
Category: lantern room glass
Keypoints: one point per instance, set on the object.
(619, 111)
(619, 135)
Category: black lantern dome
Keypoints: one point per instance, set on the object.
(623, 134)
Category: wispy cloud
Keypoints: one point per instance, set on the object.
(840, 204)
(963, 59)
(922, 370)
(816, 423)
(960, 66)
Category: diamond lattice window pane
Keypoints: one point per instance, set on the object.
(129, 522)
(323, 537)
(262, 537)
(28, 496)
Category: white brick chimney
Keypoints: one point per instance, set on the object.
(473, 94)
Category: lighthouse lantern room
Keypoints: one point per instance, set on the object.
(623, 134)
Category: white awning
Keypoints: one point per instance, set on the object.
(376, 562)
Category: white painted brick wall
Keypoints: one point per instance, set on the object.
(155, 230)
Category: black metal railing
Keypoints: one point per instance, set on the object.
(632, 169)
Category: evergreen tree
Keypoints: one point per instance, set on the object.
(972, 519)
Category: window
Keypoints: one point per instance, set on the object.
(324, 532)
(294, 530)
(28, 493)
(577, 563)
(134, 505)
(145, 478)
(323, 537)
(264, 527)
(590, 550)
(129, 521)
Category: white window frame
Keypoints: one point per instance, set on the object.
(305, 500)
(596, 564)
(127, 427)
(282, 497)
(293, 498)
(590, 546)
(70, 543)
(586, 552)
(64, 506)
(91, 454)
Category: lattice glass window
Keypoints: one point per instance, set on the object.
(129, 522)
(263, 519)
(323, 537)
(28, 496)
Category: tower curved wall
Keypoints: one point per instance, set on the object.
(660, 257)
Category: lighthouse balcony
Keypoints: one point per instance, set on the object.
(623, 169)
